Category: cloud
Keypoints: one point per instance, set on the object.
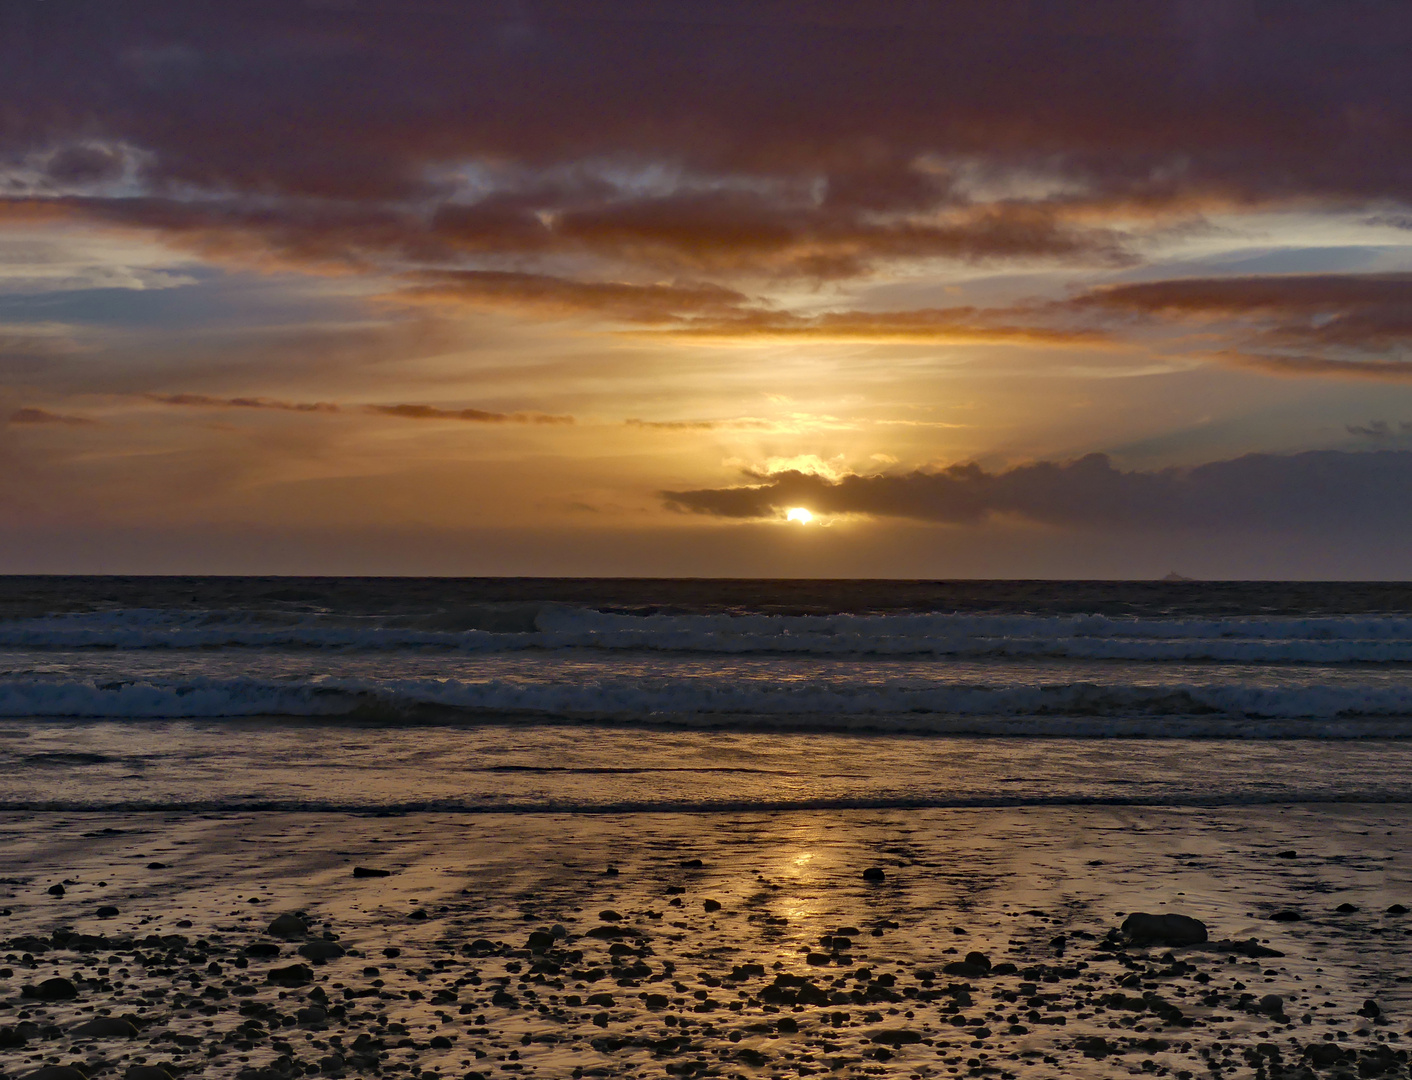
(404, 412)
(562, 297)
(1379, 429)
(32, 415)
(1369, 311)
(475, 416)
(204, 401)
(1349, 325)
(951, 326)
(1317, 366)
(1318, 491)
(744, 423)
(716, 138)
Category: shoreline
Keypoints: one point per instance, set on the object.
(1005, 883)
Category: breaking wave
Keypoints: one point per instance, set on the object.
(1311, 640)
(1073, 710)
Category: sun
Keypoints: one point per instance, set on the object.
(799, 514)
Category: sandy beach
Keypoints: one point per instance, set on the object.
(737, 945)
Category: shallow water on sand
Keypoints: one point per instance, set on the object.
(669, 941)
(312, 765)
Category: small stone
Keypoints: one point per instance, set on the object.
(711, 905)
(55, 1072)
(55, 890)
(146, 1072)
(608, 916)
(1142, 928)
(1397, 909)
(692, 864)
(1346, 909)
(293, 975)
(104, 1027)
(107, 912)
(419, 914)
(539, 940)
(1370, 1010)
(874, 873)
(156, 866)
(896, 1036)
(288, 927)
(1287, 854)
(787, 1024)
(321, 951)
(51, 990)
(1286, 916)
(368, 871)
(440, 1042)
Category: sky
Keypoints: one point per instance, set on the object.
(1080, 288)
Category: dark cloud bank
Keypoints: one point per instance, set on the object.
(1319, 491)
(695, 135)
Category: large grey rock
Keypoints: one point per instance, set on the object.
(1141, 928)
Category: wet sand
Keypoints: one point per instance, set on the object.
(736, 945)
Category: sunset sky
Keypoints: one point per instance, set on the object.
(1101, 288)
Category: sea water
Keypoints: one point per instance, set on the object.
(498, 694)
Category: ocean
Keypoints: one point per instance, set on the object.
(384, 694)
(262, 829)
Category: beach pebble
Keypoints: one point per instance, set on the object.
(711, 905)
(1397, 909)
(896, 1036)
(51, 990)
(107, 912)
(54, 1072)
(146, 1072)
(55, 890)
(1286, 916)
(1346, 909)
(156, 866)
(293, 975)
(874, 873)
(104, 1027)
(1142, 928)
(1286, 855)
(288, 927)
(368, 871)
(539, 940)
(321, 951)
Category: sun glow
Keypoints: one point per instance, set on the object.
(799, 514)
